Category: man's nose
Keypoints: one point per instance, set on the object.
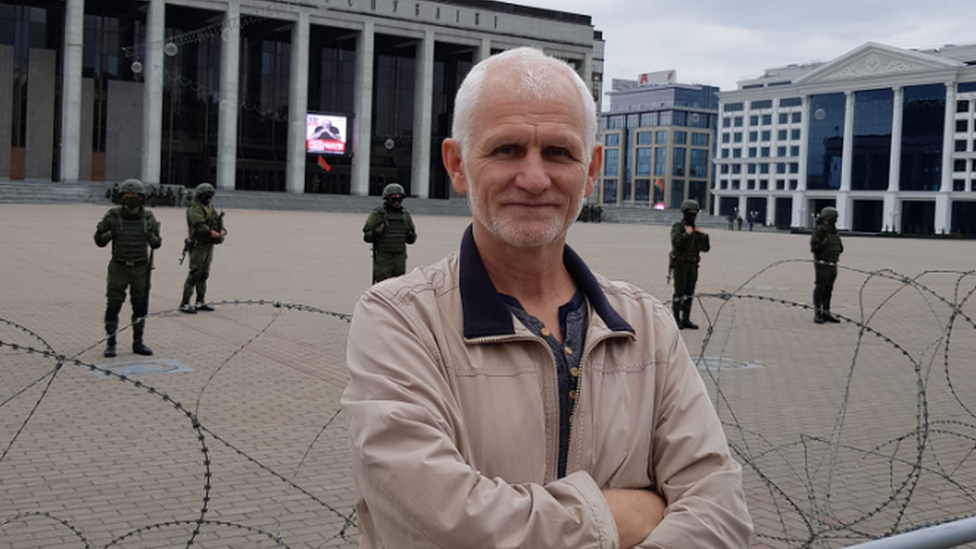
(533, 177)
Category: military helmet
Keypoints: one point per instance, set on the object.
(203, 188)
(391, 189)
(133, 186)
(829, 211)
(689, 205)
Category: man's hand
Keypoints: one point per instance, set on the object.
(214, 234)
(635, 512)
(689, 229)
(699, 230)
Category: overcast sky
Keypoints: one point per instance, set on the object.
(719, 42)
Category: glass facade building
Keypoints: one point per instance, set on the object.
(180, 93)
(883, 134)
(658, 142)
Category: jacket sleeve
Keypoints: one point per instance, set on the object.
(692, 466)
(104, 232)
(196, 220)
(415, 487)
(817, 241)
(371, 230)
(153, 233)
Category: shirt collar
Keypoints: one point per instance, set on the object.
(485, 313)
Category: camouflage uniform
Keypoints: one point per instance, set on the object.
(390, 228)
(686, 250)
(826, 246)
(132, 230)
(202, 224)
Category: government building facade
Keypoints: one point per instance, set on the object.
(885, 135)
(325, 96)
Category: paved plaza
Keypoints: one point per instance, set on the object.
(231, 436)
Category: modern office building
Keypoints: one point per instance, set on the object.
(885, 135)
(658, 138)
(184, 91)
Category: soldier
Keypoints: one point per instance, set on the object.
(826, 246)
(206, 230)
(390, 228)
(688, 242)
(130, 228)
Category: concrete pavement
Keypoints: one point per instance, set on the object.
(229, 436)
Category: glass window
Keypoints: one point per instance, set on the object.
(780, 151)
(790, 102)
(754, 120)
(612, 139)
(699, 120)
(780, 184)
(660, 160)
(752, 152)
(642, 191)
(649, 119)
(616, 122)
(784, 118)
(767, 119)
(736, 153)
(611, 162)
(966, 87)
(736, 169)
(726, 122)
(781, 135)
(738, 122)
(751, 168)
(609, 191)
(961, 145)
(678, 161)
(750, 184)
(958, 185)
(681, 138)
(795, 134)
(962, 125)
(677, 192)
(765, 135)
(699, 139)
(764, 168)
(698, 163)
(645, 138)
(753, 136)
(793, 184)
(680, 118)
(764, 152)
(923, 127)
(762, 184)
(737, 137)
(729, 107)
(781, 167)
(661, 137)
(643, 161)
(959, 165)
(725, 153)
(633, 120)
(735, 184)
(664, 118)
(726, 137)
(724, 169)
(797, 117)
(794, 167)
(763, 104)
(795, 150)
(962, 105)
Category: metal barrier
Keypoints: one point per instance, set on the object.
(942, 536)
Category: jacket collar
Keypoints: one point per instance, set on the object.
(485, 313)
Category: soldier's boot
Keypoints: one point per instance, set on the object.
(817, 308)
(201, 297)
(686, 319)
(827, 317)
(185, 306)
(140, 308)
(676, 309)
(110, 347)
(111, 326)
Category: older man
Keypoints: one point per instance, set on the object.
(509, 397)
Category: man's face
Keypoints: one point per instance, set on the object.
(526, 172)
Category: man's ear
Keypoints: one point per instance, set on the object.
(593, 172)
(454, 164)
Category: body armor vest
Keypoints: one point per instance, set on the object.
(394, 237)
(130, 242)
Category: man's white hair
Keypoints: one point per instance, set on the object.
(528, 71)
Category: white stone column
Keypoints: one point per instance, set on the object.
(891, 202)
(230, 61)
(846, 158)
(484, 51)
(154, 71)
(362, 123)
(948, 139)
(423, 94)
(71, 104)
(297, 105)
(801, 184)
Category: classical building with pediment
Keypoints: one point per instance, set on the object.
(238, 92)
(885, 135)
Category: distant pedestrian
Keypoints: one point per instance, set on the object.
(738, 222)
(752, 219)
(206, 229)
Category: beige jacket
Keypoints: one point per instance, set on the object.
(453, 420)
